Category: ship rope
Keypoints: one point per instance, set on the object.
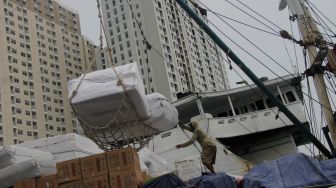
(260, 62)
(125, 128)
(309, 96)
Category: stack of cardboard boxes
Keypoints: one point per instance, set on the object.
(113, 169)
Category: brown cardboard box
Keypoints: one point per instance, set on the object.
(123, 160)
(95, 165)
(125, 179)
(97, 182)
(47, 181)
(68, 171)
(29, 183)
(75, 184)
(145, 176)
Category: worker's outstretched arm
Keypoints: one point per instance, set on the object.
(191, 141)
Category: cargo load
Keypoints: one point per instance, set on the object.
(25, 170)
(99, 94)
(164, 115)
(64, 147)
(112, 108)
(10, 155)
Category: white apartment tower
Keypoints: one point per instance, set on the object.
(41, 48)
(183, 58)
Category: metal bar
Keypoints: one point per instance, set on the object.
(326, 134)
(252, 76)
(231, 106)
(281, 96)
(199, 106)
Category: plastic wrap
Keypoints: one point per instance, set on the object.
(164, 115)
(153, 164)
(27, 169)
(64, 143)
(100, 95)
(10, 155)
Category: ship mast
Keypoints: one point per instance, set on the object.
(313, 41)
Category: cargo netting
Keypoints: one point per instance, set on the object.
(125, 129)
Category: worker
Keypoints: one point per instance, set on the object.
(208, 155)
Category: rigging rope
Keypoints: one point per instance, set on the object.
(251, 16)
(243, 49)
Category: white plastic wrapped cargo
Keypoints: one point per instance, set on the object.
(64, 143)
(10, 155)
(153, 164)
(25, 170)
(189, 168)
(164, 115)
(97, 95)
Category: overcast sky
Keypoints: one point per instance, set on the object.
(272, 45)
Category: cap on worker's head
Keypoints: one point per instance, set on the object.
(194, 124)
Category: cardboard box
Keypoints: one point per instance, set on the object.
(123, 160)
(75, 184)
(93, 166)
(68, 171)
(47, 181)
(126, 179)
(97, 182)
(29, 183)
(145, 176)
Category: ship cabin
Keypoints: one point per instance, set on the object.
(246, 121)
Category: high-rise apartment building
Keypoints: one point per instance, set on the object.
(41, 48)
(182, 58)
(103, 59)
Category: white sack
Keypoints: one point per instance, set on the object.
(25, 170)
(64, 143)
(164, 115)
(189, 168)
(99, 95)
(10, 155)
(152, 163)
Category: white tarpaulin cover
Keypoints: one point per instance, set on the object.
(164, 116)
(10, 155)
(64, 143)
(25, 170)
(153, 164)
(99, 94)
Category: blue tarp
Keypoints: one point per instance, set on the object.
(219, 180)
(291, 171)
(166, 181)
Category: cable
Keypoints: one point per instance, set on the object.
(148, 46)
(158, 52)
(259, 29)
(325, 28)
(294, 46)
(252, 44)
(260, 15)
(251, 16)
(258, 60)
(309, 2)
